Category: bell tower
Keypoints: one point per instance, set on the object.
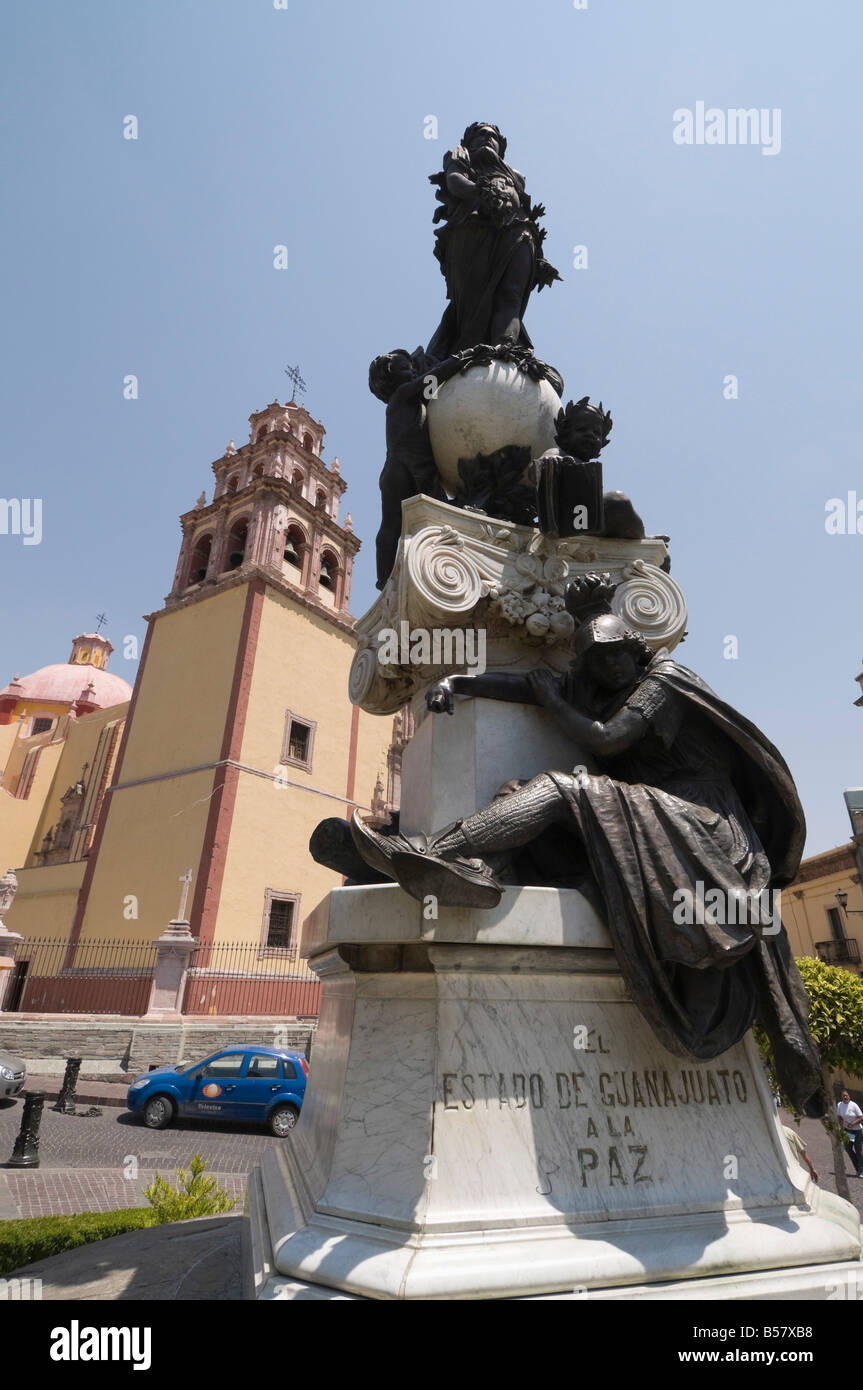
(240, 736)
(274, 516)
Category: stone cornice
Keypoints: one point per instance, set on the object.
(247, 452)
(830, 861)
(285, 490)
(244, 575)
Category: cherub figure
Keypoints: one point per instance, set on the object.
(405, 381)
(568, 479)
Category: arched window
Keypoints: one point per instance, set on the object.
(84, 655)
(200, 559)
(295, 547)
(297, 478)
(233, 483)
(236, 548)
(330, 572)
(308, 442)
(259, 471)
(320, 498)
(261, 431)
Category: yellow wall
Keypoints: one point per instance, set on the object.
(804, 909)
(8, 735)
(153, 834)
(45, 902)
(20, 816)
(187, 677)
(302, 664)
(80, 747)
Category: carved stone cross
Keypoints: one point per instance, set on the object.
(185, 879)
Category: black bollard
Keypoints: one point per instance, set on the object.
(67, 1099)
(25, 1154)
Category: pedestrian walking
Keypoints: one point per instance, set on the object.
(852, 1122)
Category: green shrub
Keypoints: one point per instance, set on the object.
(34, 1238)
(195, 1195)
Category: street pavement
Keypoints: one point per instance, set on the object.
(819, 1148)
(102, 1162)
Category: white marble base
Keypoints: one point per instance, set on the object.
(810, 1283)
(490, 1117)
(454, 764)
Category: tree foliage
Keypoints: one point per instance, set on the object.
(835, 1019)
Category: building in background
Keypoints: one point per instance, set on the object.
(39, 714)
(239, 736)
(823, 908)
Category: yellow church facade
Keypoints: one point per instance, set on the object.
(239, 737)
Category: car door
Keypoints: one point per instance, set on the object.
(261, 1083)
(215, 1085)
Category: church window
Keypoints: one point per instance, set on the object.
(281, 922)
(281, 917)
(84, 655)
(233, 484)
(298, 742)
(42, 725)
(308, 443)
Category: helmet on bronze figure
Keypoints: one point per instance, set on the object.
(588, 600)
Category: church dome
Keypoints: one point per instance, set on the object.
(63, 682)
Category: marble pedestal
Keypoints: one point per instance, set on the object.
(490, 1117)
(454, 764)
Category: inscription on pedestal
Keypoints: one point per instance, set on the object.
(601, 1107)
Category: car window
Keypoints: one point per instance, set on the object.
(289, 1070)
(262, 1065)
(225, 1066)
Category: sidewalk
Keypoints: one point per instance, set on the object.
(201, 1261)
(67, 1191)
(87, 1092)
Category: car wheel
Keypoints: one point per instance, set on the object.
(158, 1112)
(283, 1119)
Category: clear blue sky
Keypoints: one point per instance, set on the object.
(304, 126)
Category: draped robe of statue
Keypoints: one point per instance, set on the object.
(476, 253)
(704, 801)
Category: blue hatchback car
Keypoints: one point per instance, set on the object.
(258, 1085)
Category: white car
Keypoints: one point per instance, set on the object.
(13, 1074)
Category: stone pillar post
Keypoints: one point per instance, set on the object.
(8, 939)
(174, 948)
